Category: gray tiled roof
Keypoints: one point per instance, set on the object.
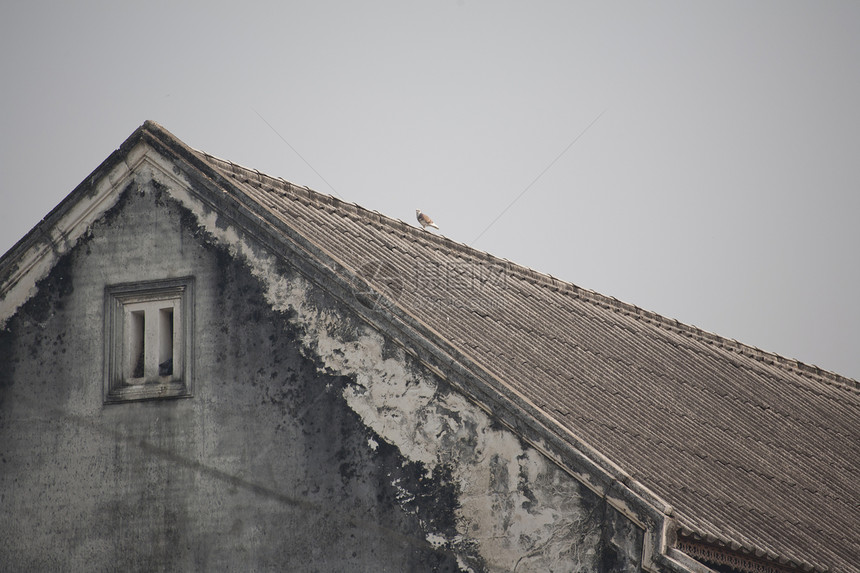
(754, 451)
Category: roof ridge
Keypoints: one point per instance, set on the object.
(542, 279)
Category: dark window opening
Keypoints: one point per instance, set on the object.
(165, 342)
(138, 328)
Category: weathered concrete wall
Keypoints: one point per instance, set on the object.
(312, 441)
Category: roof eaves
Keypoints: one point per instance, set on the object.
(741, 556)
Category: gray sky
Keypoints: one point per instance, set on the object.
(719, 184)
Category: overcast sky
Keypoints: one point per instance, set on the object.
(700, 160)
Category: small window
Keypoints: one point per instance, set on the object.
(148, 346)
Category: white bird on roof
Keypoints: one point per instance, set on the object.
(425, 220)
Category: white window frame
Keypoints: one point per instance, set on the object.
(148, 340)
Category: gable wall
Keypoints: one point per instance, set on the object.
(312, 441)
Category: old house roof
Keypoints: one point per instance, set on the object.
(753, 457)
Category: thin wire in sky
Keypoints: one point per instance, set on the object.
(299, 154)
(529, 186)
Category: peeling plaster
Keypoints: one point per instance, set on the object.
(520, 511)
